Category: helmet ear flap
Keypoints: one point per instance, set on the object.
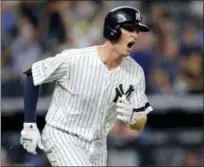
(114, 33)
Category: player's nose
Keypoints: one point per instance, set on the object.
(134, 34)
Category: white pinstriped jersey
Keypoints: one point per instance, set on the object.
(83, 99)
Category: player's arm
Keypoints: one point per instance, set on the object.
(30, 98)
(50, 69)
(134, 112)
(30, 135)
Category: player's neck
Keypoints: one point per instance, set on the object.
(109, 56)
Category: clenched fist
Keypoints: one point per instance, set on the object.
(30, 138)
(136, 120)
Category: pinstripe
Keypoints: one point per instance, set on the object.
(61, 115)
(93, 114)
(63, 123)
(82, 159)
(100, 158)
(79, 99)
(110, 118)
(137, 92)
(55, 76)
(67, 145)
(83, 146)
(60, 159)
(55, 100)
(61, 149)
(59, 154)
(65, 148)
(86, 106)
(108, 98)
(68, 103)
(82, 90)
(58, 104)
(100, 71)
(58, 113)
(103, 113)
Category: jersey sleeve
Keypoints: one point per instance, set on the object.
(139, 98)
(51, 69)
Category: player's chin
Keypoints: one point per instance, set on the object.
(128, 50)
(127, 53)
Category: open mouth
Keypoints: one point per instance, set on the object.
(130, 44)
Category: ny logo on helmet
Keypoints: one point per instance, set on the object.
(137, 16)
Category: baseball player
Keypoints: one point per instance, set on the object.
(94, 87)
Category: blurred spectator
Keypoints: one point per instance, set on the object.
(170, 61)
(192, 72)
(31, 10)
(143, 54)
(161, 82)
(25, 48)
(52, 27)
(86, 15)
(155, 19)
(189, 42)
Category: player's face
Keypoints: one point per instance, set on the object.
(128, 38)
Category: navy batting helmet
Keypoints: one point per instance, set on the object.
(122, 17)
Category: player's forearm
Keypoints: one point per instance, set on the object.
(30, 99)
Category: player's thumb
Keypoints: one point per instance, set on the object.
(40, 145)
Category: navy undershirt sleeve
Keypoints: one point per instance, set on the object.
(30, 100)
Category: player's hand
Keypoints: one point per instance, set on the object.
(124, 109)
(136, 120)
(30, 138)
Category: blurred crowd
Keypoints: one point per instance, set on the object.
(171, 54)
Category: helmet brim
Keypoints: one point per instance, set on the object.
(142, 27)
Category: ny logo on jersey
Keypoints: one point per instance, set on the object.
(120, 91)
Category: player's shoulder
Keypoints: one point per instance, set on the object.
(135, 65)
